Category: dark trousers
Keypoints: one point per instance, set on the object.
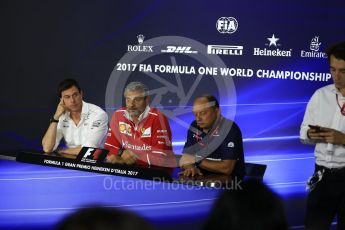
(327, 201)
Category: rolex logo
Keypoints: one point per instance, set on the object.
(140, 47)
(140, 38)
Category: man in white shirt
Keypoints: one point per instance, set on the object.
(324, 126)
(77, 122)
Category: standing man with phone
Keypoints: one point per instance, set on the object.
(324, 125)
(77, 122)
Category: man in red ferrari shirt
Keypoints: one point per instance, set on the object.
(139, 134)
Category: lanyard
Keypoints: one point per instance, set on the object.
(342, 108)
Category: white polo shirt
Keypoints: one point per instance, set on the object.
(323, 110)
(90, 132)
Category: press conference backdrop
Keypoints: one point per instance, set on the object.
(262, 59)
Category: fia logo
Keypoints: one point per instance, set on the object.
(227, 25)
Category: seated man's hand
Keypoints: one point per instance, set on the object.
(114, 159)
(60, 109)
(190, 171)
(70, 151)
(187, 159)
(129, 157)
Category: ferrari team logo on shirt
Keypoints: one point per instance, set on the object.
(146, 132)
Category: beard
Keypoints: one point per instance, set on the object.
(135, 112)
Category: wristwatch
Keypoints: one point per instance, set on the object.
(197, 163)
(120, 152)
(53, 120)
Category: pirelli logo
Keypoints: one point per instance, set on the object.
(225, 50)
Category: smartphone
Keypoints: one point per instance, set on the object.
(315, 127)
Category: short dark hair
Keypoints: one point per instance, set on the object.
(253, 206)
(337, 50)
(103, 218)
(67, 84)
(211, 99)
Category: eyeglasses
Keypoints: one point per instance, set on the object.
(342, 108)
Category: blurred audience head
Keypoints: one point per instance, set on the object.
(254, 207)
(99, 218)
